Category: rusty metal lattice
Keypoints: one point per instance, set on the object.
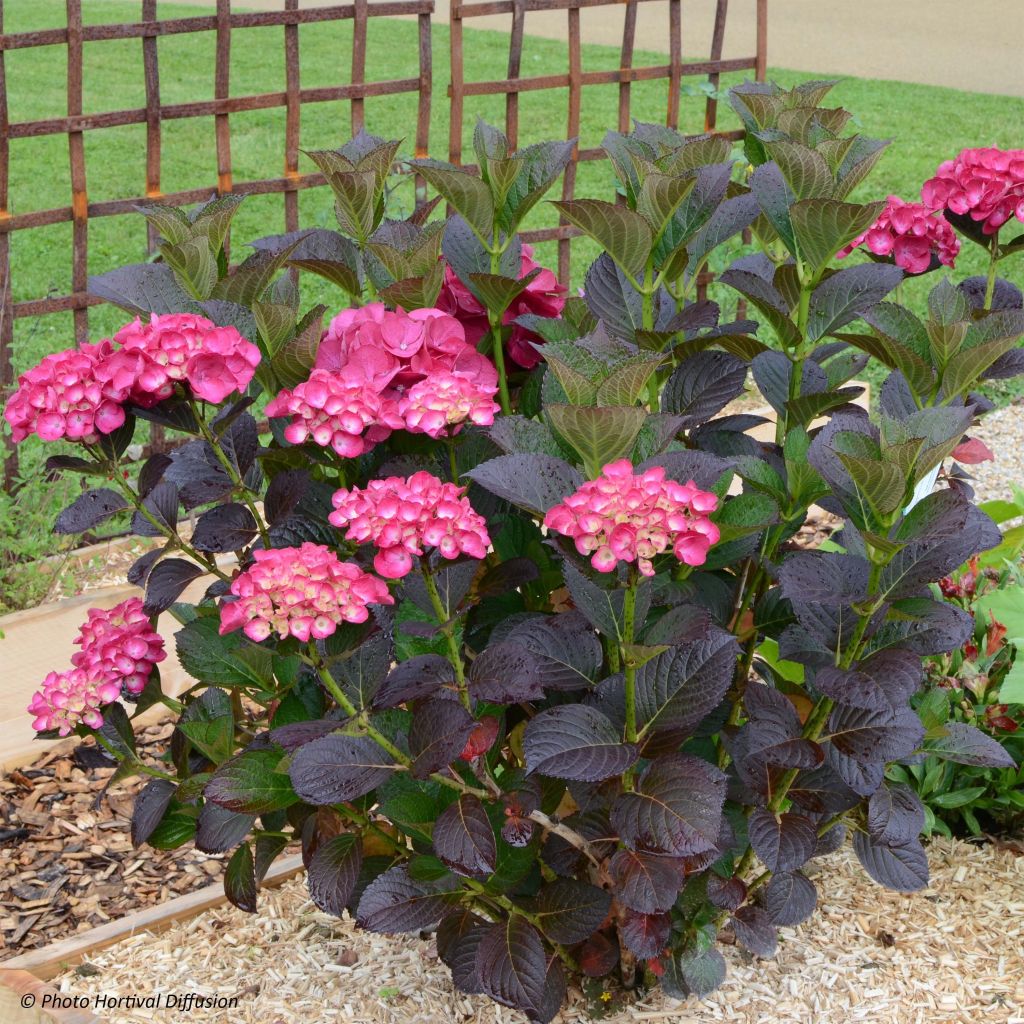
(575, 78)
(225, 23)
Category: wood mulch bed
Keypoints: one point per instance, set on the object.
(67, 863)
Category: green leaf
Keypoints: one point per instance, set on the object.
(229, 660)
(170, 223)
(416, 292)
(580, 388)
(882, 484)
(626, 382)
(621, 232)
(659, 198)
(498, 292)
(355, 202)
(468, 194)
(209, 724)
(804, 409)
(957, 797)
(964, 369)
(823, 226)
(600, 435)
(806, 171)
(194, 264)
(292, 364)
(251, 784)
(249, 281)
(275, 323)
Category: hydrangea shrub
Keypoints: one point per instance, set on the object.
(503, 618)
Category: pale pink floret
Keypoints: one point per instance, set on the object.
(65, 397)
(69, 698)
(404, 517)
(623, 516)
(119, 645)
(305, 592)
(986, 184)
(441, 403)
(543, 296)
(336, 412)
(910, 233)
(181, 348)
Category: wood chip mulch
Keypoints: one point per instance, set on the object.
(67, 863)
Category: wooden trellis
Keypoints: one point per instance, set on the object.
(227, 27)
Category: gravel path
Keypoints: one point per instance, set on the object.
(947, 955)
(1003, 432)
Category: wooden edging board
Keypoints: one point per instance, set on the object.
(51, 960)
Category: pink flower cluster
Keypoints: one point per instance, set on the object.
(909, 233)
(403, 517)
(624, 516)
(70, 697)
(543, 296)
(176, 348)
(119, 649)
(987, 184)
(302, 592)
(79, 394)
(65, 397)
(378, 371)
(119, 645)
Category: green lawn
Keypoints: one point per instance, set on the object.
(927, 125)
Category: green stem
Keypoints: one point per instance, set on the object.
(494, 319)
(629, 661)
(993, 260)
(453, 462)
(454, 655)
(233, 474)
(139, 766)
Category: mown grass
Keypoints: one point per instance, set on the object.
(927, 125)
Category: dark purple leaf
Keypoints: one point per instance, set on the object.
(420, 676)
(841, 298)
(966, 744)
(903, 868)
(679, 688)
(458, 937)
(224, 528)
(142, 566)
(505, 673)
(464, 840)
(862, 779)
(89, 510)
(333, 872)
(297, 734)
(895, 815)
(897, 672)
(336, 768)
(831, 841)
(533, 482)
(926, 627)
(240, 879)
(506, 576)
(566, 653)
(150, 806)
(644, 882)
(393, 903)
(703, 468)
(873, 736)
(790, 898)
(284, 493)
(166, 581)
(702, 385)
(727, 893)
(437, 735)
(219, 829)
(162, 505)
(850, 687)
(783, 843)
(675, 809)
(645, 935)
(569, 911)
(513, 967)
(826, 577)
(575, 741)
(754, 931)
(694, 972)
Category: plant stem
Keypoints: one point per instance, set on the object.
(629, 661)
(453, 462)
(990, 282)
(454, 655)
(494, 319)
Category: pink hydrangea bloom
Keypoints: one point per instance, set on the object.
(439, 404)
(623, 516)
(67, 698)
(543, 296)
(986, 184)
(391, 349)
(404, 517)
(302, 592)
(119, 645)
(181, 348)
(65, 397)
(334, 411)
(909, 233)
